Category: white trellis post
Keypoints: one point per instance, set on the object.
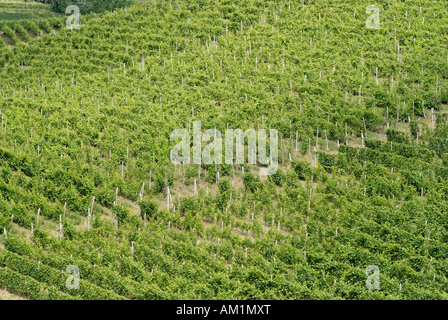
(376, 75)
(60, 227)
(88, 218)
(309, 146)
(141, 191)
(346, 139)
(93, 202)
(297, 134)
(168, 197)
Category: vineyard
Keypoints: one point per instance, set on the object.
(86, 178)
(24, 9)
